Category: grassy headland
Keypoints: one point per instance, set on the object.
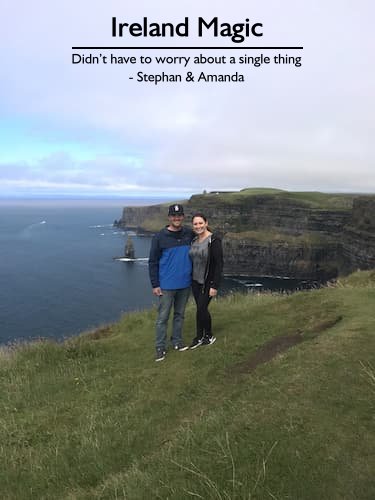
(311, 199)
(247, 418)
(154, 220)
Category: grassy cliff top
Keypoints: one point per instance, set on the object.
(156, 219)
(281, 406)
(312, 199)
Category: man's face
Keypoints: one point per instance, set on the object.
(175, 221)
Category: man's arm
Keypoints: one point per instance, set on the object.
(153, 265)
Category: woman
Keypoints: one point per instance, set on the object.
(207, 256)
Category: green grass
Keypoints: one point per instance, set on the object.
(322, 201)
(313, 200)
(96, 417)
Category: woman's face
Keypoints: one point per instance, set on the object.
(199, 225)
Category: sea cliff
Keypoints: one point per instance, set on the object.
(279, 233)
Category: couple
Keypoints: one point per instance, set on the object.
(181, 258)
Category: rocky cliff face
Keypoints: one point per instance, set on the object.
(358, 235)
(142, 218)
(249, 257)
(278, 236)
(259, 212)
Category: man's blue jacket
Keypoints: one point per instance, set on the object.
(169, 263)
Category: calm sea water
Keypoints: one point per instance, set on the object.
(57, 273)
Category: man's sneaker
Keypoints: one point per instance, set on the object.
(160, 354)
(181, 347)
(196, 343)
(208, 340)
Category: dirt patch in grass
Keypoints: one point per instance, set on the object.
(277, 345)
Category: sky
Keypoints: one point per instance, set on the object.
(88, 130)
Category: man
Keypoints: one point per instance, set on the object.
(170, 274)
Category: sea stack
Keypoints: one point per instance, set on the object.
(129, 249)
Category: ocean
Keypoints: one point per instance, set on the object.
(58, 276)
(57, 273)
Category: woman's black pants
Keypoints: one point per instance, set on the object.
(203, 317)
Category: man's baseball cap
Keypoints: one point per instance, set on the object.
(176, 210)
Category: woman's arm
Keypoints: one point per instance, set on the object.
(217, 263)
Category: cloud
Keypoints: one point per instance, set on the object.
(89, 128)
